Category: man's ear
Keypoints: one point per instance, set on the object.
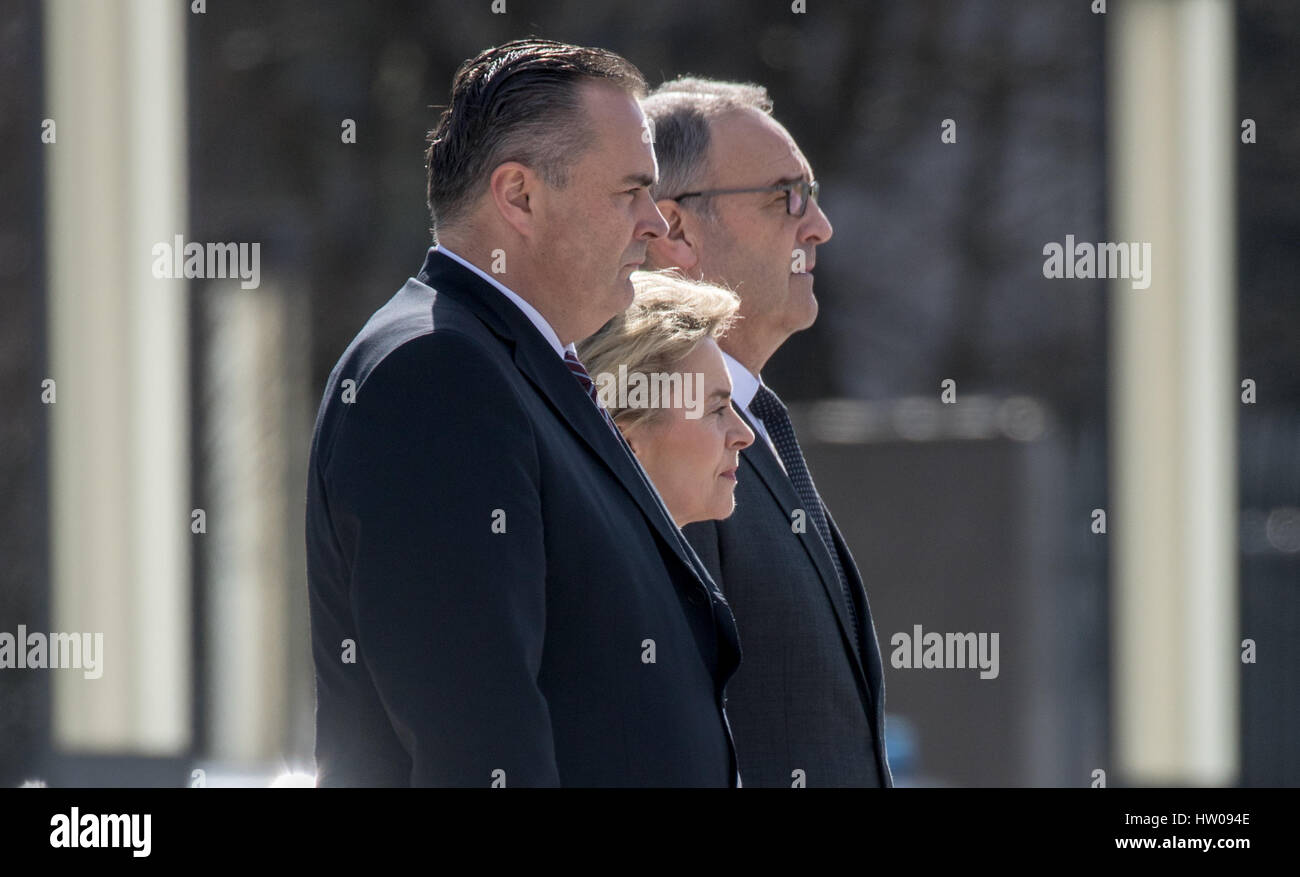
(513, 188)
(680, 247)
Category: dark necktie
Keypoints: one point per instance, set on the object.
(584, 379)
(777, 422)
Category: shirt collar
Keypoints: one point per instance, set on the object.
(744, 383)
(533, 315)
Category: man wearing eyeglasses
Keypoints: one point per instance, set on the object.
(807, 704)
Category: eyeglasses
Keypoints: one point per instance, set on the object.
(797, 194)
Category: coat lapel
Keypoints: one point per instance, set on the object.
(538, 362)
(549, 374)
(872, 658)
(763, 461)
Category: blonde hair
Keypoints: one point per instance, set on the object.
(669, 316)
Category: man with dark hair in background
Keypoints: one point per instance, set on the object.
(807, 705)
(498, 595)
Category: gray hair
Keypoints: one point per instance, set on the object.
(681, 111)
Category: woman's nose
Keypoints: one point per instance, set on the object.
(742, 436)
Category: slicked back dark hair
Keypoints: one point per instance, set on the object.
(519, 101)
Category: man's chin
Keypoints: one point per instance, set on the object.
(801, 293)
(627, 292)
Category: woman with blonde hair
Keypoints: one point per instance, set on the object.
(660, 373)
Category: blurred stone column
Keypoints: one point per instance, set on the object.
(1174, 393)
(119, 455)
(255, 444)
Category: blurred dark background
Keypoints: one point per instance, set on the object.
(934, 273)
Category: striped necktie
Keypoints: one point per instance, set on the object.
(777, 421)
(584, 380)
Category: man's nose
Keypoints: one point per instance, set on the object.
(650, 223)
(816, 227)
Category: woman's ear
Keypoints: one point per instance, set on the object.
(634, 439)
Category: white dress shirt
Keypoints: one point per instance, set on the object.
(744, 387)
(530, 312)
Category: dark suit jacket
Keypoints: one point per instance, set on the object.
(521, 656)
(802, 700)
